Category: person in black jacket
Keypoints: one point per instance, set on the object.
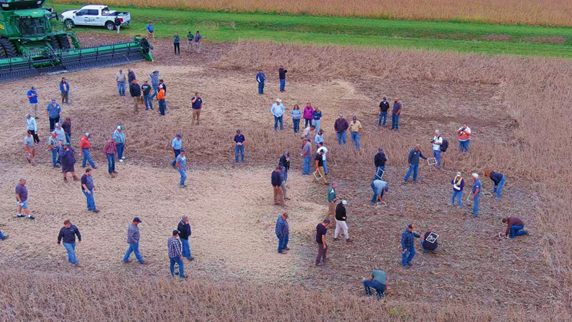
(285, 160)
(429, 241)
(282, 76)
(135, 91)
(341, 217)
(379, 161)
(68, 233)
(184, 229)
(498, 179)
(383, 107)
(117, 24)
(276, 181)
(413, 160)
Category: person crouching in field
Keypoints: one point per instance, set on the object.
(377, 281)
(514, 227)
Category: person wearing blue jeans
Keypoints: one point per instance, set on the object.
(498, 179)
(395, 122)
(355, 139)
(383, 108)
(413, 160)
(341, 138)
(120, 78)
(119, 139)
(184, 229)
(282, 76)
(306, 168)
(379, 188)
(181, 165)
(260, 78)
(174, 248)
(458, 184)
(395, 113)
(54, 148)
(121, 88)
(377, 281)
(382, 116)
(476, 194)
(341, 126)
(3, 237)
(87, 186)
(355, 130)
(464, 137)
(85, 146)
(68, 234)
(147, 99)
(437, 142)
(515, 227)
(307, 155)
(154, 76)
(133, 242)
(282, 233)
(408, 246)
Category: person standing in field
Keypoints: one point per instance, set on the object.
(282, 231)
(154, 75)
(150, 31)
(324, 150)
(413, 161)
(276, 182)
(395, 114)
(296, 116)
(174, 248)
(117, 23)
(380, 188)
(319, 138)
(177, 43)
(30, 147)
(332, 200)
(464, 133)
(282, 76)
(458, 184)
(67, 126)
(85, 146)
(307, 155)
(341, 217)
(283, 180)
(198, 39)
(319, 161)
(32, 127)
(67, 155)
(341, 126)
(54, 148)
(61, 135)
(135, 92)
(514, 227)
(308, 115)
(65, 90)
(119, 139)
(146, 88)
(239, 146)
(184, 229)
(190, 40)
(176, 146)
(110, 149)
(285, 160)
(87, 186)
(316, 116)
(53, 111)
(383, 107)
(278, 111)
(68, 234)
(133, 237)
(379, 161)
(437, 142)
(476, 194)
(197, 107)
(321, 232)
(407, 245)
(22, 199)
(181, 165)
(260, 78)
(33, 99)
(130, 75)
(161, 99)
(498, 179)
(120, 78)
(355, 131)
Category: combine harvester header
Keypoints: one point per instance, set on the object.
(30, 45)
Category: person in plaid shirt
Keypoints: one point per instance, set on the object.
(174, 246)
(109, 150)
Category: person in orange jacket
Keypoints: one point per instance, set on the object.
(161, 99)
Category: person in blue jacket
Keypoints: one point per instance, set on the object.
(282, 233)
(260, 78)
(65, 90)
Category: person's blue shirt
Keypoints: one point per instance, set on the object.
(317, 115)
(260, 77)
(408, 238)
(198, 37)
(150, 28)
(239, 138)
(177, 143)
(118, 137)
(280, 226)
(476, 185)
(34, 99)
(54, 111)
(65, 90)
(182, 160)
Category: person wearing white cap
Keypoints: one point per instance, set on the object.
(341, 217)
(476, 194)
(458, 184)
(437, 142)
(119, 139)
(32, 126)
(120, 80)
(85, 146)
(278, 110)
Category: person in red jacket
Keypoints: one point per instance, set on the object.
(514, 227)
(85, 146)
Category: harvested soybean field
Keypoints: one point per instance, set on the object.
(230, 206)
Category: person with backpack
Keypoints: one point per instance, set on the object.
(437, 143)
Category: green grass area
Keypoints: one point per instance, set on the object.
(432, 35)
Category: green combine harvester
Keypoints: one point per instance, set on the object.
(30, 45)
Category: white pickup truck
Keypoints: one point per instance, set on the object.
(94, 15)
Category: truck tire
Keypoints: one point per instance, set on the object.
(54, 43)
(7, 49)
(69, 23)
(110, 25)
(63, 41)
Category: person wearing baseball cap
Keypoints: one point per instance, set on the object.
(395, 114)
(408, 245)
(33, 99)
(341, 126)
(458, 184)
(355, 131)
(278, 110)
(174, 247)
(53, 111)
(276, 181)
(239, 146)
(133, 242)
(341, 217)
(85, 145)
(383, 107)
(119, 139)
(120, 80)
(176, 146)
(321, 232)
(181, 166)
(184, 229)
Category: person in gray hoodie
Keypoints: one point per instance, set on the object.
(133, 242)
(154, 75)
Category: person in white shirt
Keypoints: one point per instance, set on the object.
(437, 141)
(321, 147)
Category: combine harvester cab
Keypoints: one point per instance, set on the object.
(30, 45)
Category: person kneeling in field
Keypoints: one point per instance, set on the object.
(429, 241)
(377, 281)
(514, 228)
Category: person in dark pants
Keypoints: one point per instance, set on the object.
(413, 161)
(68, 234)
(260, 78)
(239, 146)
(395, 114)
(282, 76)
(53, 111)
(54, 148)
(135, 91)
(110, 150)
(408, 246)
(282, 233)
(341, 126)
(429, 241)
(514, 228)
(174, 247)
(176, 146)
(161, 100)
(499, 179)
(67, 154)
(383, 107)
(67, 126)
(87, 186)
(133, 242)
(184, 229)
(119, 139)
(176, 43)
(285, 161)
(65, 90)
(377, 281)
(32, 126)
(379, 161)
(321, 232)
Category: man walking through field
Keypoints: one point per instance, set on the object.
(276, 180)
(110, 150)
(135, 91)
(184, 229)
(408, 245)
(181, 165)
(68, 234)
(321, 232)
(319, 173)
(395, 114)
(174, 247)
(22, 200)
(85, 145)
(133, 242)
(332, 200)
(87, 186)
(282, 231)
